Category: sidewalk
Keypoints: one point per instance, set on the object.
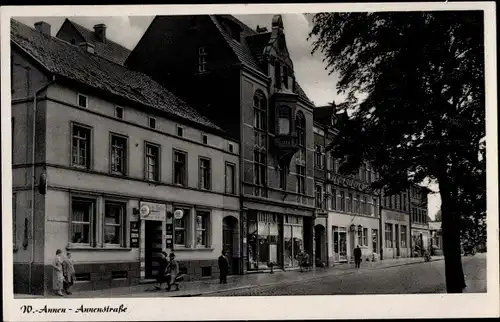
(235, 282)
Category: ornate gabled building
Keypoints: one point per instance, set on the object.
(243, 80)
(348, 209)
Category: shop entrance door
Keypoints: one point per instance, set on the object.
(319, 234)
(153, 247)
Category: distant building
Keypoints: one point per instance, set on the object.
(348, 210)
(436, 236)
(420, 233)
(131, 169)
(396, 225)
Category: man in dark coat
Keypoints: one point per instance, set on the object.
(357, 256)
(161, 277)
(223, 267)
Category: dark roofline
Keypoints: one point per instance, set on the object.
(65, 81)
(140, 40)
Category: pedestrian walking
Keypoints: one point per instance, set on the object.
(357, 256)
(68, 273)
(172, 273)
(162, 270)
(57, 273)
(307, 264)
(223, 267)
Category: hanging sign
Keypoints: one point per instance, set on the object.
(169, 235)
(178, 214)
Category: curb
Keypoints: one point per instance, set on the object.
(303, 280)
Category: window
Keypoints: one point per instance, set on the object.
(349, 202)
(277, 74)
(285, 76)
(388, 235)
(118, 154)
(152, 169)
(230, 178)
(300, 126)
(205, 173)
(202, 59)
(202, 224)
(357, 201)
(119, 112)
(372, 207)
(180, 131)
(260, 112)
(180, 229)
(342, 201)
(403, 236)
(231, 147)
(81, 146)
(283, 171)
(363, 206)
(259, 159)
(284, 120)
(82, 221)
(301, 179)
(318, 160)
(375, 240)
(375, 206)
(82, 100)
(152, 122)
(319, 195)
(365, 236)
(360, 236)
(180, 173)
(405, 199)
(204, 138)
(114, 219)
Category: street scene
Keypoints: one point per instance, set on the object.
(248, 155)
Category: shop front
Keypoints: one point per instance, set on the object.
(396, 226)
(274, 238)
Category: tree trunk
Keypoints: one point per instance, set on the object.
(455, 281)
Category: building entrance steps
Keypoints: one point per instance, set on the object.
(234, 282)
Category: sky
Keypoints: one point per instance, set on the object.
(319, 85)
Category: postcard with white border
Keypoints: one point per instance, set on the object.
(272, 161)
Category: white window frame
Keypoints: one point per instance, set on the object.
(207, 229)
(121, 225)
(185, 176)
(157, 165)
(208, 178)
(92, 203)
(233, 182)
(185, 229)
(78, 100)
(88, 164)
(125, 153)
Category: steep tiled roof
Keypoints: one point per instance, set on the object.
(249, 49)
(61, 58)
(109, 50)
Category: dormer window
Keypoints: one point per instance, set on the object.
(285, 76)
(202, 59)
(284, 120)
(277, 74)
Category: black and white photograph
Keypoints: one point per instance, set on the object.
(177, 154)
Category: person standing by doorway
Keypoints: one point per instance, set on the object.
(68, 273)
(162, 270)
(172, 272)
(57, 273)
(357, 256)
(223, 267)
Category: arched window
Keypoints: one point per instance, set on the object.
(284, 120)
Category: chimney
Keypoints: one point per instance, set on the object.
(261, 29)
(87, 47)
(43, 27)
(100, 32)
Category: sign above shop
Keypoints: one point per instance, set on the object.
(178, 214)
(153, 211)
(349, 183)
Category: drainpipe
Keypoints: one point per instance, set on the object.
(381, 227)
(410, 232)
(34, 178)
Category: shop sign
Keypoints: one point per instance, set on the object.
(153, 211)
(178, 214)
(349, 183)
(169, 235)
(395, 216)
(134, 234)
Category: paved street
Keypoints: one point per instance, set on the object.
(406, 279)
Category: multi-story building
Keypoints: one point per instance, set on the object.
(395, 223)
(348, 207)
(126, 170)
(436, 234)
(419, 220)
(243, 80)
